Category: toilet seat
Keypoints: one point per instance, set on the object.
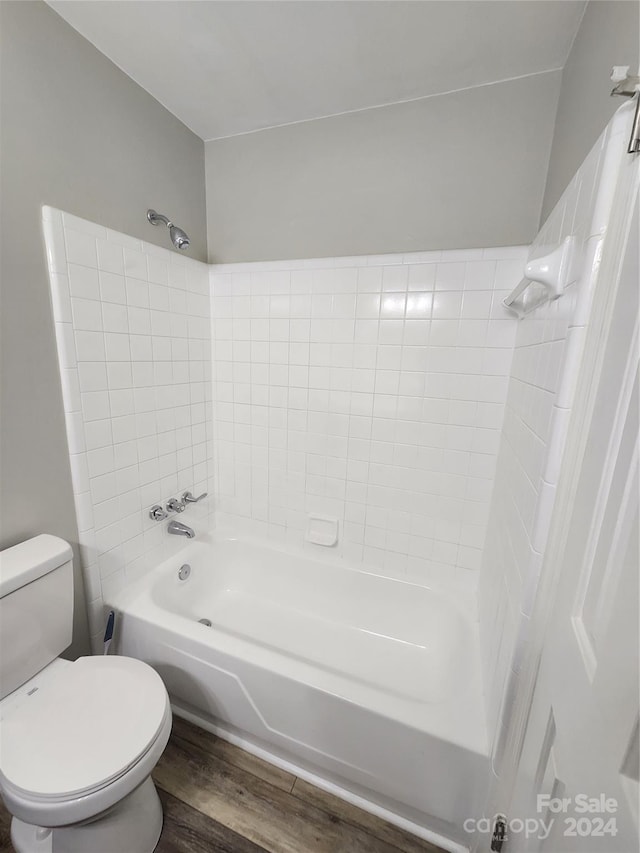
(84, 740)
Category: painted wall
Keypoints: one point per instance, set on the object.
(370, 390)
(133, 331)
(609, 35)
(462, 170)
(79, 134)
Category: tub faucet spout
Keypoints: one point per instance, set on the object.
(180, 529)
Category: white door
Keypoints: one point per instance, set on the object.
(578, 771)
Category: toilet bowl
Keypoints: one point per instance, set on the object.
(77, 747)
(78, 741)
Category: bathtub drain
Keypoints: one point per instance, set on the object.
(206, 622)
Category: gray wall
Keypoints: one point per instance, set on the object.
(77, 134)
(609, 35)
(455, 171)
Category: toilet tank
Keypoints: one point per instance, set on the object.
(36, 607)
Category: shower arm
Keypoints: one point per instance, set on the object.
(156, 218)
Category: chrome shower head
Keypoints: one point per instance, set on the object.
(178, 237)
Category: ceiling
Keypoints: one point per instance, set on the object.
(234, 66)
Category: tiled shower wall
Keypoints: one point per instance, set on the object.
(545, 361)
(370, 390)
(134, 343)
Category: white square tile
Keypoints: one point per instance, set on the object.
(121, 402)
(125, 455)
(422, 277)
(110, 257)
(443, 333)
(100, 461)
(95, 405)
(119, 375)
(117, 347)
(480, 275)
(447, 305)
(159, 297)
(157, 270)
(368, 306)
(102, 488)
(450, 276)
(141, 347)
(476, 304)
(83, 282)
(473, 333)
(137, 293)
(135, 264)
(112, 288)
(89, 346)
(395, 278)
(81, 248)
(123, 428)
(97, 435)
(115, 318)
(87, 314)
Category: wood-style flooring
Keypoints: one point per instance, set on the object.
(218, 798)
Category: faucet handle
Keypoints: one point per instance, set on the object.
(188, 498)
(156, 513)
(174, 505)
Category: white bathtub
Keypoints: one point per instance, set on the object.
(370, 683)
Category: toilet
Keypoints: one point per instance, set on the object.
(78, 740)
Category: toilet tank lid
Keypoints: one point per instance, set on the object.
(30, 560)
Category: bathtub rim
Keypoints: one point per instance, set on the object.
(457, 588)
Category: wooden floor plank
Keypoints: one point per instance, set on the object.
(219, 799)
(186, 830)
(377, 827)
(268, 816)
(5, 830)
(215, 747)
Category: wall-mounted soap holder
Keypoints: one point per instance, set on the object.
(553, 271)
(322, 530)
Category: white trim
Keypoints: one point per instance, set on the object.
(381, 106)
(596, 335)
(443, 256)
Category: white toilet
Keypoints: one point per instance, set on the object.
(78, 741)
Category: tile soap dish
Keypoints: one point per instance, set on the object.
(322, 530)
(553, 271)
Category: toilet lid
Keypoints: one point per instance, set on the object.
(84, 728)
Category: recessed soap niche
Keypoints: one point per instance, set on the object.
(322, 530)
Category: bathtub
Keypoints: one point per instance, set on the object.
(360, 681)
